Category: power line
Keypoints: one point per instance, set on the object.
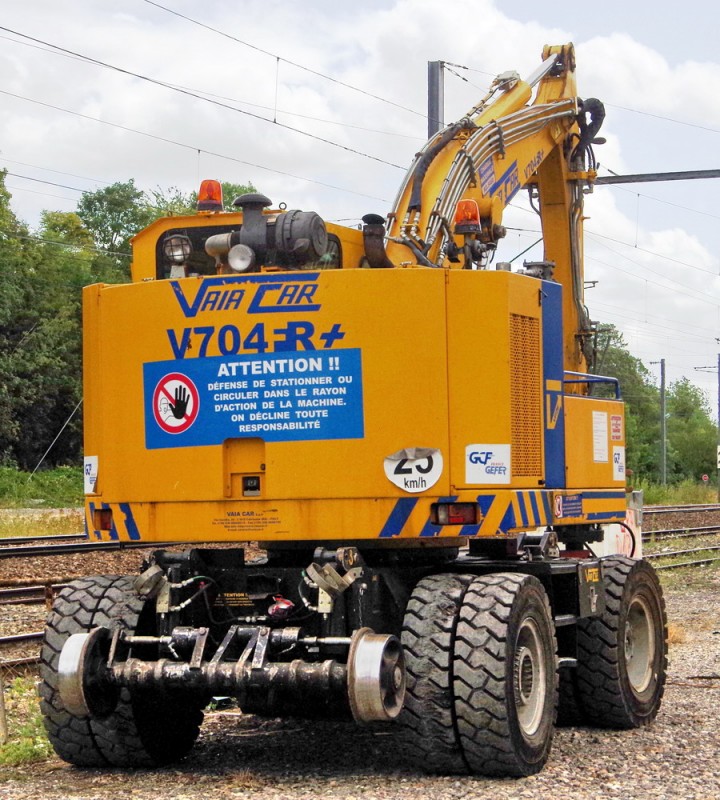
(190, 147)
(625, 244)
(302, 116)
(69, 245)
(42, 194)
(57, 171)
(189, 93)
(666, 202)
(49, 183)
(686, 334)
(609, 105)
(287, 61)
(650, 252)
(682, 290)
(666, 119)
(235, 100)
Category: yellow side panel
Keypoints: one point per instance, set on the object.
(595, 442)
(495, 379)
(380, 355)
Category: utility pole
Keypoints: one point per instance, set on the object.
(436, 97)
(663, 424)
(713, 369)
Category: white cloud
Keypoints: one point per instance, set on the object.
(382, 47)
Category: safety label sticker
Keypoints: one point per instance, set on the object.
(618, 463)
(278, 397)
(414, 469)
(488, 463)
(570, 505)
(175, 403)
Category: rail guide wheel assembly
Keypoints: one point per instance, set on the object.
(376, 676)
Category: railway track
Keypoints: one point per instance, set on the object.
(681, 533)
(680, 508)
(9, 548)
(31, 546)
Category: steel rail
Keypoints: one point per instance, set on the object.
(680, 508)
(11, 551)
(19, 662)
(56, 537)
(674, 553)
(680, 533)
(699, 563)
(21, 637)
(29, 595)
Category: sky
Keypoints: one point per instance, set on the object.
(323, 105)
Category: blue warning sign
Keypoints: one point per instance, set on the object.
(277, 397)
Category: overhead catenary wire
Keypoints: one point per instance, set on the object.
(70, 245)
(57, 171)
(205, 93)
(197, 96)
(286, 60)
(194, 148)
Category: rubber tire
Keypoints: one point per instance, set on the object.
(428, 736)
(606, 693)
(144, 730)
(495, 610)
(570, 710)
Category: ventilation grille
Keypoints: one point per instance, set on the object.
(525, 385)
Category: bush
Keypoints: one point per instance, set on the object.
(55, 488)
(28, 741)
(683, 493)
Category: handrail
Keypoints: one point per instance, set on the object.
(586, 378)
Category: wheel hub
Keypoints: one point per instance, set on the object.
(376, 676)
(529, 678)
(639, 645)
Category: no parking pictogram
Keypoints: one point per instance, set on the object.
(176, 403)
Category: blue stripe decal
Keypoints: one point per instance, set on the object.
(607, 515)
(113, 532)
(547, 505)
(130, 524)
(434, 530)
(398, 517)
(536, 510)
(604, 495)
(469, 530)
(485, 501)
(553, 395)
(523, 510)
(508, 521)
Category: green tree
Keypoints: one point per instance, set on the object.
(691, 432)
(114, 214)
(14, 327)
(45, 365)
(642, 401)
(41, 281)
(165, 202)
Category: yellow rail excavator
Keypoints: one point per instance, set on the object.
(413, 435)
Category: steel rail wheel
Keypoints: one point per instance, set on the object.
(505, 675)
(622, 654)
(139, 729)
